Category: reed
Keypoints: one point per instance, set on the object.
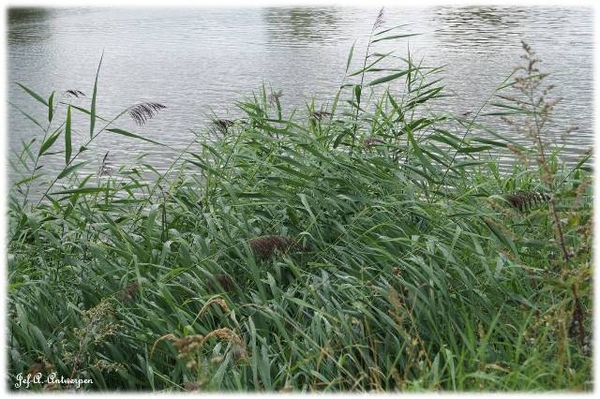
(369, 247)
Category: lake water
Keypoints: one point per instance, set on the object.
(199, 61)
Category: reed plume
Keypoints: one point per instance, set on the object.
(74, 93)
(223, 125)
(129, 293)
(264, 247)
(141, 113)
(318, 115)
(371, 141)
(224, 281)
(525, 200)
(275, 96)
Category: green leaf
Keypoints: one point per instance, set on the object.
(424, 161)
(511, 110)
(464, 164)
(264, 368)
(502, 137)
(339, 138)
(369, 68)
(41, 340)
(395, 37)
(48, 142)
(307, 206)
(33, 94)
(68, 148)
(174, 273)
(350, 56)
(389, 77)
(425, 96)
(504, 239)
(445, 138)
(94, 95)
(85, 111)
(28, 179)
(84, 190)
(488, 141)
(468, 150)
(135, 136)
(31, 118)
(357, 91)
(51, 107)
(71, 169)
(389, 29)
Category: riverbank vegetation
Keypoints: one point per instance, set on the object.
(367, 244)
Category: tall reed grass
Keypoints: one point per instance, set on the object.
(371, 245)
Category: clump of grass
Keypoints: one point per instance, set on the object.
(417, 278)
(531, 115)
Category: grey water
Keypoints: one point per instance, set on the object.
(199, 61)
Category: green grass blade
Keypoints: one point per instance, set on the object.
(71, 169)
(33, 94)
(350, 56)
(133, 135)
(357, 92)
(369, 68)
(51, 107)
(395, 37)
(82, 191)
(390, 77)
(31, 118)
(68, 148)
(389, 29)
(85, 111)
(94, 96)
(47, 144)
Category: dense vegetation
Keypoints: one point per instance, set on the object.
(371, 245)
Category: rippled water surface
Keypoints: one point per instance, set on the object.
(199, 61)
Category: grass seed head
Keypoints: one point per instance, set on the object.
(524, 200)
(264, 247)
(224, 282)
(130, 291)
(141, 113)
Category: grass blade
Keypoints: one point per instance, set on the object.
(136, 136)
(85, 111)
(83, 191)
(68, 148)
(357, 91)
(71, 169)
(395, 37)
(94, 95)
(350, 56)
(49, 142)
(389, 29)
(51, 107)
(33, 94)
(369, 68)
(26, 115)
(389, 77)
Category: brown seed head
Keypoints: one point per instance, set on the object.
(264, 247)
(224, 281)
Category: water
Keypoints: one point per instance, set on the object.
(199, 61)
